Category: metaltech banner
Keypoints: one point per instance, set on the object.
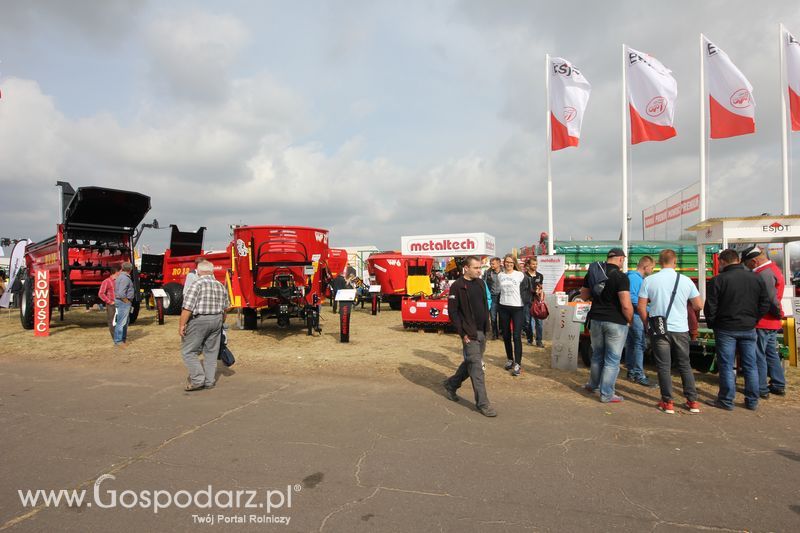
(453, 244)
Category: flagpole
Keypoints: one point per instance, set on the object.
(784, 122)
(548, 149)
(702, 133)
(701, 248)
(624, 116)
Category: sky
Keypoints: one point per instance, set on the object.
(372, 119)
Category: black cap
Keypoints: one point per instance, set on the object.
(751, 253)
(616, 252)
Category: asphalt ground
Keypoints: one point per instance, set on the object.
(389, 453)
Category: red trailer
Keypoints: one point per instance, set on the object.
(276, 273)
(95, 234)
(391, 270)
(169, 270)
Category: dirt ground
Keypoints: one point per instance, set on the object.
(379, 348)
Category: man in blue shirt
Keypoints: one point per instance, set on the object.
(634, 346)
(657, 292)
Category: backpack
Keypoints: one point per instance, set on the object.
(597, 278)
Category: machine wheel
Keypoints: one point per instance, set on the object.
(174, 298)
(249, 318)
(134, 314)
(26, 304)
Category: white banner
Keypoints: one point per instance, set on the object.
(453, 244)
(16, 262)
(552, 268)
(569, 95)
(652, 92)
(730, 94)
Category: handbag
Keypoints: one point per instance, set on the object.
(657, 325)
(539, 309)
(225, 355)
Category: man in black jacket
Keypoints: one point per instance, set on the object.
(527, 288)
(490, 278)
(468, 309)
(736, 300)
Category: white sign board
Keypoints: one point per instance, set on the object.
(158, 293)
(374, 288)
(552, 268)
(566, 333)
(345, 295)
(452, 244)
(552, 301)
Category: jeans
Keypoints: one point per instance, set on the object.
(769, 361)
(726, 343)
(527, 325)
(608, 339)
(121, 329)
(512, 316)
(472, 367)
(493, 313)
(665, 349)
(634, 348)
(537, 327)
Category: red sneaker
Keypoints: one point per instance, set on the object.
(693, 407)
(666, 407)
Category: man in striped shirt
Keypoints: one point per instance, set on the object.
(205, 303)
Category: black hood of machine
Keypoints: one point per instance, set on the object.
(98, 206)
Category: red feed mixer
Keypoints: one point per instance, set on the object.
(169, 270)
(276, 273)
(391, 271)
(336, 261)
(95, 234)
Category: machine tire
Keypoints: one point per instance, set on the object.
(249, 318)
(174, 299)
(134, 314)
(26, 304)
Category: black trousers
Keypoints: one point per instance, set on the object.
(472, 367)
(512, 316)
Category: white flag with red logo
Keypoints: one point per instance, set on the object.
(730, 95)
(569, 94)
(652, 92)
(791, 53)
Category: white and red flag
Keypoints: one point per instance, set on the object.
(730, 95)
(652, 92)
(791, 53)
(569, 94)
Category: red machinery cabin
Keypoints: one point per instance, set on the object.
(95, 234)
(169, 270)
(276, 273)
(391, 270)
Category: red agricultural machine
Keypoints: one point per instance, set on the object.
(95, 234)
(276, 274)
(400, 275)
(336, 261)
(168, 271)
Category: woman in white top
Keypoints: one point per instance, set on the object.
(510, 311)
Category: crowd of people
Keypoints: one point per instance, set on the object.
(742, 307)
